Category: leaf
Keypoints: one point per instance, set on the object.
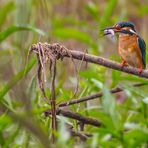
(92, 8)
(16, 78)
(109, 106)
(145, 100)
(136, 90)
(103, 117)
(67, 33)
(61, 21)
(132, 79)
(95, 72)
(12, 29)
(97, 83)
(95, 141)
(136, 137)
(32, 88)
(115, 77)
(11, 137)
(63, 138)
(5, 10)
(5, 121)
(108, 13)
(89, 73)
(109, 103)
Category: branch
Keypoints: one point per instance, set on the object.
(53, 100)
(76, 116)
(82, 136)
(107, 63)
(94, 96)
(60, 51)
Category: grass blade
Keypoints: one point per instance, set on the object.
(16, 78)
(12, 29)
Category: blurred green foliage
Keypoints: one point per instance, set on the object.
(77, 25)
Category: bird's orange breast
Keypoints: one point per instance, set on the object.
(129, 50)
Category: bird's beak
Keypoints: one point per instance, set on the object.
(111, 30)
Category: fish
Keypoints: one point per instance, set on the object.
(109, 32)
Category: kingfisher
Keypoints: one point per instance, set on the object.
(131, 46)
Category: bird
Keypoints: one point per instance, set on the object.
(131, 46)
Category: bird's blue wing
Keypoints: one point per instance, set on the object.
(142, 47)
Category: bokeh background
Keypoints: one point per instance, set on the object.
(76, 24)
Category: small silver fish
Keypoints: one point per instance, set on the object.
(109, 32)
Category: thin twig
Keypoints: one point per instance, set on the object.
(76, 116)
(41, 84)
(82, 136)
(94, 96)
(78, 77)
(81, 126)
(53, 100)
(42, 60)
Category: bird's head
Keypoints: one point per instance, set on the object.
(122, 27)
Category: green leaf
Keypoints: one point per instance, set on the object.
(132, 79)
(63, 138)
(72, 33)
(16, 78)
(108, 13)
(97, 83)
(11, 137)
(136, 90)
(116, 77)
(94, 72)
(5, 10)
(109, 106)
(93, 9)
(103, 117)
(145, 100)
(136, 137)
(109, 103)
(4, 34)
(4, 121)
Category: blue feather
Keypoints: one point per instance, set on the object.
(127, 24)
(142, 47)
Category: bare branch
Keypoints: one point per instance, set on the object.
(94, 96)
(82, 136)
(61, 51)
(76, 116)
(107, 63)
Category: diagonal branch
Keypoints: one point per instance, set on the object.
(76, 116)
(94, 96)
(107, 63)
(83, 136)
(61, 52)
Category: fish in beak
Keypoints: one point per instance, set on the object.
(111, 31)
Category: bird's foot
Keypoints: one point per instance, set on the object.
(124, 63)
(140, 69)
